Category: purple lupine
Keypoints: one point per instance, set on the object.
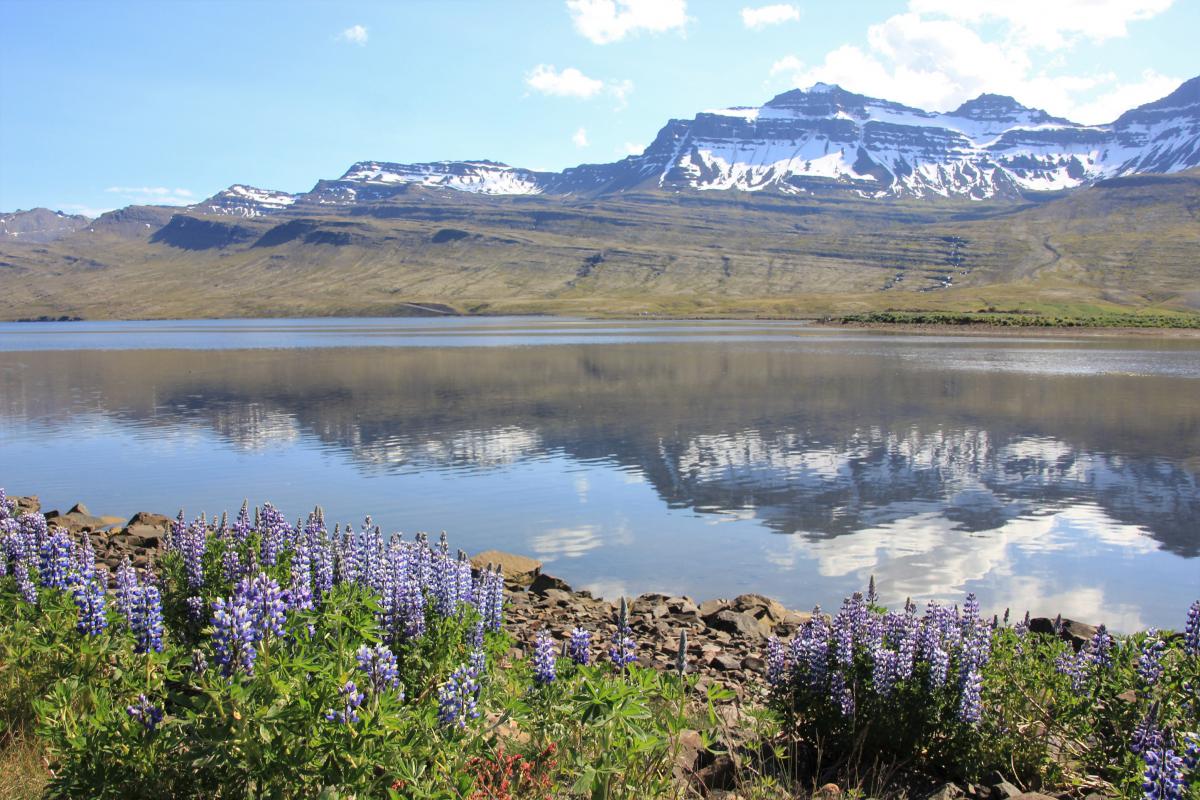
(322, 562)
(843, 633)
(127, 586)
(579, 647)
(84, 568)
(1146, 735)
(776, 663)
(1099, 650)
(378, 663)
(231, 564)
(146, 620)
(621, 648)
(146, 713)
(199, 662)
(969, 710)
(939, 667)
(841, 693)
(351, 699)
(810, 650)
(300, 592)
(1149, 665)
(191, 542)
(275, 532)
(1074, 666)
(1191, 631)
(233, 636)
(544, 667)
(25, 584)
(55, 563)
(458, 698)
(1191, 753)
(1163, 778)
(241, 529)
(883, 672)
(89, 602)
(264, 600)
(195, 609)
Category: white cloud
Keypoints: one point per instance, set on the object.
(621, 90)
(761, 17)
(570, 82)
(1037, 23)
(580, 138)
(940, 54)
(355, 34)
(606, 21)
(152, 195)
(85, 210)
(631, 149)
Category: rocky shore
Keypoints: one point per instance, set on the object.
(726, 638)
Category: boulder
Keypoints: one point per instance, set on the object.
(27, 504)
(1003, 790)
(147, 519)
(737, 623)
(516, 568)
(720, 774)
(710, 607)
(760, 607)
(947, 791)
(543, 582)
(1077, 633)
(725, 662)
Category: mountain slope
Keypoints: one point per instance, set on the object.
(1128, 242)
(39, 225)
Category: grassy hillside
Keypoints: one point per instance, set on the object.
(1123, 245)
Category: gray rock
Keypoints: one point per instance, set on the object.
(543, 582)
(736, 622)
(515, 566)
(725, 662)
(947, 791)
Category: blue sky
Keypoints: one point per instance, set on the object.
(103, 104)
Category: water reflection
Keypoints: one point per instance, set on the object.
(674, 462)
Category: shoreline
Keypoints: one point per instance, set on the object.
(726, 638)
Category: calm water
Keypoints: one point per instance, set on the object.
(703, 458)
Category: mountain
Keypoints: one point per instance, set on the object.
(39, 225)
(821, 140)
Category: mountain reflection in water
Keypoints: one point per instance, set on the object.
(1028, 472)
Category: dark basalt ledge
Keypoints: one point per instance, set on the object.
(726, 639)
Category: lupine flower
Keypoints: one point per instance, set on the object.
(776, 663)
(89, 601)
(543, 659)
(264, 600)
(969, 702)
(1191, 755)
(883, 674)
(579, 647)
(457, 699)
(231, 564)
(55, 554)
(1149, 666)
(146, 713)
(199, 662)
(195, 609)
(681, 662)
(25, 584)
(233, 636)
(146, 620)
(1191, 631)
(379, 665)
(1099, 652)
(241, 529)
(1074, 666)
(842, 695)
(127, 586)
(352, 698)
(1163, 778)
(621, 651)
(1146, 736)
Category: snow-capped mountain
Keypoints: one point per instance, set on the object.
(816, 140)
(246, 201)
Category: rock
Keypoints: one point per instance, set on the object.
(737, 622)
(725, 662)
(1003, 790)
(830, 791)
(1077, 633)
(27, 504)
(710, 607)
(754, 664)
(516, 568)
(719, 774)
(760, 607)
(148, 519)
(80, 508)
(947, 791)
(689, 754)
(145, 537)
(543, 582)
(1032, 796)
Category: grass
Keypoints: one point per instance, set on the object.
(22, 768)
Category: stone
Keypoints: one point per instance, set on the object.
(830, 791)
(760, 607)
(1077, 633)
(754, 664)
(543, 582)
(710, 607)
(720, 774)
(149, 519)
(947, 791)
(27, 504)
(725, 662)
(80, 508)
(1032, 796)
(737, 622)
(1003, 790)
(515, 566)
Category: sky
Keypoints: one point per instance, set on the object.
(104, 104)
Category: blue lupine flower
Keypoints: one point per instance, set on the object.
(264, 600)
(1074, 666)
(127, 586)
(233, 636)
(146, 620)
(146, 713)
(776, 663)
(1163, 778)
(621, 650)
(275, 531)
(883, 672)
(25, 584)
(1191, 753)
(241, 529)
(379, 665)
(300, 592)
(55, 553)
(842, 694)
(352, 698)
(1146, 735)
(1099, 652)
(543, 659)
(199, 662)
(458, 698)
(969, 702)
(1149, 666)
(1191, 631)
(579, 647)
(89, 601)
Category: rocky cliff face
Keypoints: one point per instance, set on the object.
(823, 139)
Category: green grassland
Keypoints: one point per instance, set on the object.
(1124, 246)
